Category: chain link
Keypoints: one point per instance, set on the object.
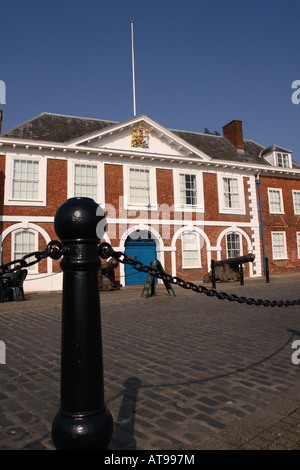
(53, 250)
(106, 251)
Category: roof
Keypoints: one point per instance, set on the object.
(56, 127)
(60, 128)
(275, 148)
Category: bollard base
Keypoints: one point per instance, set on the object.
(82, 431)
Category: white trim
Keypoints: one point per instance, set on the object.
(284, 257)
(198, 264)
(178, 233)
(281, 201)
(153, 126)
(283, 153)
(240, 242)
(223, 209)
(9, 169)
(34, 268)
(32, 227)
(298, 243)
(100, 177)
(199, 207)
(293, 194)
(126, 187)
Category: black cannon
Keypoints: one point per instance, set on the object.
(106, 276)
(230, 269)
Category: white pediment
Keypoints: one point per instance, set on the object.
(140, 136)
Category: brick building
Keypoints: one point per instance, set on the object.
(181, 197)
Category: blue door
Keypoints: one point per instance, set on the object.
(145, 252)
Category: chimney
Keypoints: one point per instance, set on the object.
(234, 133)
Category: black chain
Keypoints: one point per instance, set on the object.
(106, 251)
(53, 250)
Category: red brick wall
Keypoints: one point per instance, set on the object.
(56, 192)
(288, 222)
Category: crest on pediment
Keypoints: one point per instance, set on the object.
(140, 137)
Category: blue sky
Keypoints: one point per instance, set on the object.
(198, 64)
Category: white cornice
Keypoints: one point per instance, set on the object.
(61, 150)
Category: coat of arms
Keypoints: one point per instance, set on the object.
(140, 137)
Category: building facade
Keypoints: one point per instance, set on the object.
(181, 197)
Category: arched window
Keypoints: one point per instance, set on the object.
(190, 250)
(24, 242)
(233, 245)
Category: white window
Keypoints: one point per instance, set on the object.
(139, 187)
(283, 160)
(25, 184)
(233, 245)
(188, 191)
(26, 180)
(231, 194)
(24, 242)
(298, 244)
(275, 201)
(86, 179)
(296, 199)
(279, 245)
(190, 250)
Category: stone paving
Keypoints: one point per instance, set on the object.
(184, 372)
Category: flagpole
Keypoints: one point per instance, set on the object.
(133, 73)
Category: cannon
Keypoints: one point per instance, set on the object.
(230, 269)
(106, 275)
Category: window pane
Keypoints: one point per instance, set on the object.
(190, 250)
(278, 245)
(188, 189)
(275, 200)
(139, 186)
(231, 193)
(233, 245)
(297, 202)
(298, 244)
(25, 183)
(24, 243)
(283, 160)
(85, 181)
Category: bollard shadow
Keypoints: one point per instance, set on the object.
(123, 437)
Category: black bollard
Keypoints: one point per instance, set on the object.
(83, 421)
(241, 274)
(267, 270)
(213, 274)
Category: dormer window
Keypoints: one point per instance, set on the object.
(277, 156)
(283, 160)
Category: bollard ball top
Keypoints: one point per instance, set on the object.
(79, 218)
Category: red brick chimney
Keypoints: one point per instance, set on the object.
(234, 133)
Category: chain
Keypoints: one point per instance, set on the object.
(106, 251)
(53, 250)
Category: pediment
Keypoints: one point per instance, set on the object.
(140, 136)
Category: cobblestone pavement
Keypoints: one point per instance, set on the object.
(184, 372)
